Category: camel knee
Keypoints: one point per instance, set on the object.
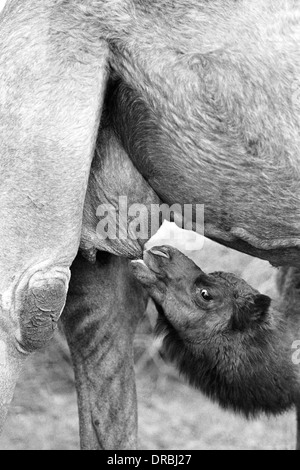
(40, 302)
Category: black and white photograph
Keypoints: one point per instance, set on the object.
(150, 227)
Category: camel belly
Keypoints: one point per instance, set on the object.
(251, 198)
(244, 211)
(209, 113)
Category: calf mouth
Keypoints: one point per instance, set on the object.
(151, 270)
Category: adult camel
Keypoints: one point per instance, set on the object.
(203, 97)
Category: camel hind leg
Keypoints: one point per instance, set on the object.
(103, 308)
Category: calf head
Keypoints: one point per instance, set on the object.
(196, 303)
(226, 338)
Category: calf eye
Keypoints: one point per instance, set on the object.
(206, 295)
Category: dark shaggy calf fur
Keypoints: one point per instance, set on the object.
(227, 339)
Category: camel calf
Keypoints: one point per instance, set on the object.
(228, 340)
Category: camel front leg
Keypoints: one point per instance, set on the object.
(52, 81)
(103, 308)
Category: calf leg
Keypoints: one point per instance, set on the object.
(103, 308)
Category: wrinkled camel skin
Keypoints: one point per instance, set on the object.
(202, 96)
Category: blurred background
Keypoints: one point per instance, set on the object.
(171, 415)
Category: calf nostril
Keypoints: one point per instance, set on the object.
(163, 252)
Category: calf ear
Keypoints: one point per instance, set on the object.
(250, 311)
(261, 305)
(260, 308)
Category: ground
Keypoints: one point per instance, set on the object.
(171, 415)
